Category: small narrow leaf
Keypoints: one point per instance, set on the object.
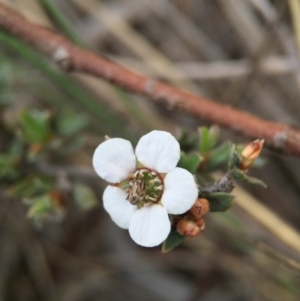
(41, 205)
(8, 163)
(234, 159)
(214, 133)
(31, 186)
(7, 160)
(208, 138)
(240, 175)
(84, 197)
(35, 125)
(188, 141)
(205, 143)
(219, 201)
(254, 181)
(219, 156)
(190, 162)
(172, 241)
(70, 123)
(237, 174)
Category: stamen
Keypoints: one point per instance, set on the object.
(158, 180)
(158, 187)
(144, 185)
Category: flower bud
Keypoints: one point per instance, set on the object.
(200, 208)
(188, 228)
(250, 153)
(201, 224)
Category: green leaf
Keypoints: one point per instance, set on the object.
(254, 181)
(61, 21)
(35, 125)
(31, 186)
(8, 163)
(172, 241)
(84, 197)
(16, 148)
(240, 175)
(70, 87)
(205, 143)
(190, 162)
(72, 145)
(70, 123)
(219, 201)
(208, 138)
(188, 141)
(7, 160)
(237, 174)
(41, 205)
(219, 156)
(10, 160)
(234, 159)
(214, 134)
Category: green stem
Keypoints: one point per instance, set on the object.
(66, 84)
(61, 22)
(66, 27)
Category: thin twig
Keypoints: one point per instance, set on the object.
(227, 69)
(133, 40)
(74, 58)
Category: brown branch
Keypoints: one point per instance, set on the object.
(74, 58)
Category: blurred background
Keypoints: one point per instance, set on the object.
(56, 241)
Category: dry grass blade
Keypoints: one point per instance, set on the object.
(134, 41)
(295, 12)
(287, 234)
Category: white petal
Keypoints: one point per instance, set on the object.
(180, 192)
(114, 159)
(158, 150)
(119, 209)
(150, 226)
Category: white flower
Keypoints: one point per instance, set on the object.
(147, 185)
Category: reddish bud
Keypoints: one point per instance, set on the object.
(200, 208)
(201, 224)
(250, 153)
(188, 228)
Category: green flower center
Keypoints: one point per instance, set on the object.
(145, 186)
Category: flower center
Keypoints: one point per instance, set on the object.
(144, 186)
